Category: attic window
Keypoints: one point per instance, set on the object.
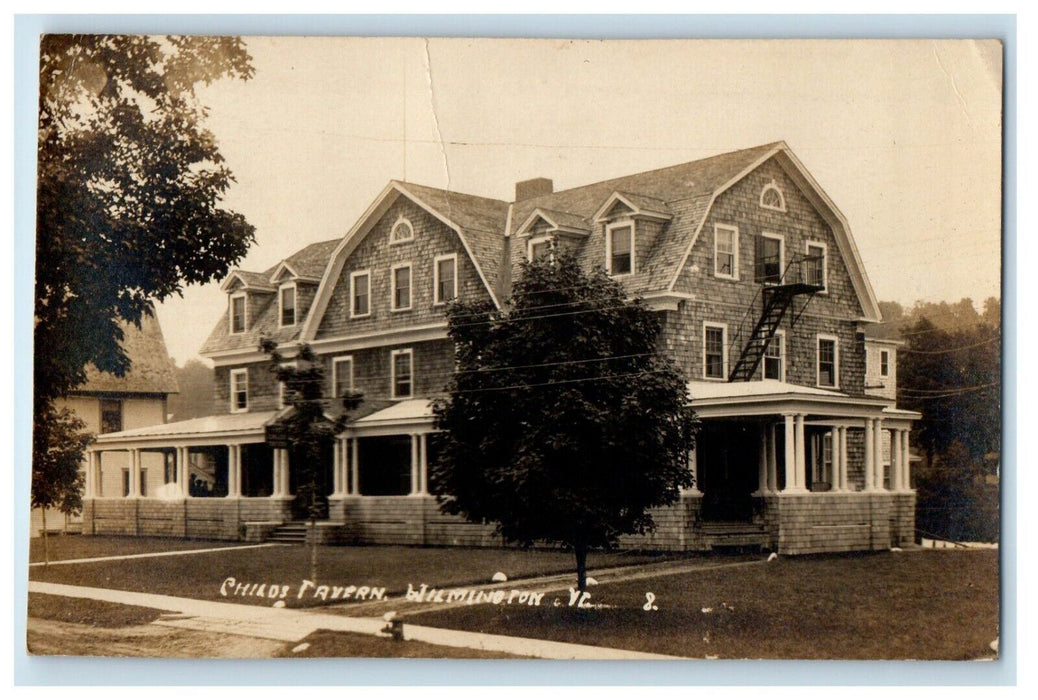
(402, 231)
(771, 197)
(620, 248)
(237, 313)
(287, 304)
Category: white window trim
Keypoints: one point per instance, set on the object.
(724, 351)
(353, 291)
(295, 311)
(818, 361)
(244, 315)
(780, 338)
(538, 240)
(410, 228)
(825, 262)
(392, 287)
(734, 230)
(626, 223)
(782, 198)
(436, 277)
(881, 354)
(239, 373)
(392, 372)
(782, 250)
(336, 362)
(281, 384)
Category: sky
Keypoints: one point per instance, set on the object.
(904, 136)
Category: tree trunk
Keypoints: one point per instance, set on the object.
(46, 556)
(580, 550)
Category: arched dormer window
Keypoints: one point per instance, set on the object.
(771, 197)
(402, 231)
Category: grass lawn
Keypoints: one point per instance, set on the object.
(325, 644)
(78, 547)
(201, 575)
(940, 604)
(95, 613)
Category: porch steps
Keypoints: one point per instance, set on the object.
(734, 534)
(289, 533)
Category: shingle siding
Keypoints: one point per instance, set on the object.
(375, 253)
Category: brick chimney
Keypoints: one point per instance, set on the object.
(528, 189)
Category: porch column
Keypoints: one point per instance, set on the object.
(135, 473)
(844, 481)
(414, 464)
(762, 463)
(180, 459)
(234, 471)
(336, 467)
(279, 472)
(906, 474)
(895, 460)
(693, 466)
(88, 482)
(791, 455)
(423, 464)
(354, 468)
(772, 459)
(834, 452)
(801, 455)
(870, 460)
(286, 489)
(877, 453)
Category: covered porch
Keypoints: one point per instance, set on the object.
(813, 470)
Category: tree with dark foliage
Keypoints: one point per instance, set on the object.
(58, 442)
(564, 422)
(129, 186)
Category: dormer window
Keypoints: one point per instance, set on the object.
(771, 197)
(287, 305)
(539, 249)
(237, 313)
(402, 231)
(620, 248)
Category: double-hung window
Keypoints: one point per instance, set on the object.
(445, 282)
(342, 376)
(828, 361)
(287, 305)
(237, 313)
(620, 248)
(770, 258)
(401, 300)
(775, 358)
(815, 268)
(539, 249)
(111, 415)
(884, 363)
(726, 251)
(360, 293)
(239, 390)
(714, 351)
(402, 363)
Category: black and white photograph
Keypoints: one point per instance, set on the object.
(488, 348)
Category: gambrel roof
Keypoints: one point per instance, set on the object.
(679, 197)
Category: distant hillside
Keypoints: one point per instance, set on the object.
(196, 392)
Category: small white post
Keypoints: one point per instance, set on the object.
(791, 454)
(801, 455)
(354, 467)
(870, 460)
(877, 452)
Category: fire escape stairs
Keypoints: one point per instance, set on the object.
(776, 300)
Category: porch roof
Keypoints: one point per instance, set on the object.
(770, 396)
(226, 424)
(408, 411)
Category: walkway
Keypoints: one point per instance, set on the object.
(291, 625)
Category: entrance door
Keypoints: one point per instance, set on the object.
(728, 463)
(298, 481)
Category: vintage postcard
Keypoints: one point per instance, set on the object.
(488, 348)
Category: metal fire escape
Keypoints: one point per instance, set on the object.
(803, 275)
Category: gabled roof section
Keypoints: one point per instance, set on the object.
(248, 281)
(152, 370)
(479, 222)
(285, 271)
(637, 205)
(557, 220)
